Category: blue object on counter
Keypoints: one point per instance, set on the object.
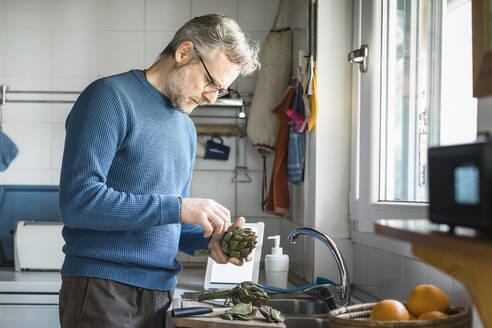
(8, 151)
(319, 281)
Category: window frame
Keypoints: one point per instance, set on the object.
(365, 206)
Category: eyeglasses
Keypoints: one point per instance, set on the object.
(212, 86)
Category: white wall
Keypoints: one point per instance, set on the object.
(331, 176)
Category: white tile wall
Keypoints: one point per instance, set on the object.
(26, 176)
(120, 51)
(413, 274)
(70, 15)
(20, 112)
(2, 14)
(59, 113)
(256, 15)
(127, 15)
(57, 133)
(249, 196)
(34, 143)
(75, 53)
(155, 43)
(166, 15)
(27, 14)
(2, 49)
(28, 53)
(66, 44)
(27, 83)
(209, 184)
(360, 265)
(375, 269)
(328, 267)
(224, 7)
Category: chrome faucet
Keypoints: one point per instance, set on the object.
(336, 295)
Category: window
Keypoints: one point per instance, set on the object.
(417, 93)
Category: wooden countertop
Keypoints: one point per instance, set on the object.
(423, 232)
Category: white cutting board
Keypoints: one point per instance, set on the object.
(223, 276)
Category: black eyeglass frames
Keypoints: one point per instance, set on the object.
(212, 86)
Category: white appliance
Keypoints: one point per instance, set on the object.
(38, 245)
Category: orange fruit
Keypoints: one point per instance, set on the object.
(389, 310)
(432, 315)
(425, 298)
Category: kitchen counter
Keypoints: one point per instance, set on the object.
(190, 279)
(29, 281)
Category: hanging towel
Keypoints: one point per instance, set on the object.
(271, 82)
(297, 137)
(8, 151)
(295, 156)
(277, 201)
(312, 101)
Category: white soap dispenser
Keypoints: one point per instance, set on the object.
(276, 265)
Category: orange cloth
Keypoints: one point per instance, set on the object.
(277, 201)
(312, 101)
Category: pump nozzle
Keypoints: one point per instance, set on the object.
(276, 250)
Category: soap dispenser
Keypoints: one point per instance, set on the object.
(276, 265)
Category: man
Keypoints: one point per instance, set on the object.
(125, 180)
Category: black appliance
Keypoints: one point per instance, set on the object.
(460, 185)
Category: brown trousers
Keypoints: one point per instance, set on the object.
(93, 302)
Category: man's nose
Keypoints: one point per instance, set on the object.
(210, 97)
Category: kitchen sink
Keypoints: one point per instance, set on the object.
(306, 322)
(301, 310)
(299, 305)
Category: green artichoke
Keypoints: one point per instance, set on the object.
(238, 242)
(271, 314)
(240, 311)
(245, 292)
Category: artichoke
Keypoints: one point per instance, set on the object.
(238, 242)
(240, 311)
(271, 314)
(245, 292)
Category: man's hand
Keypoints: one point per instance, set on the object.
(207, 213)
(216, 252)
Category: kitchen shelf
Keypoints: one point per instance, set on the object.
(463, 253)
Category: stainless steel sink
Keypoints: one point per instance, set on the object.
(299, 305)
(301, 310)
(306, 322)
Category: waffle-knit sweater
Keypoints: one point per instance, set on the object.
(128, 155)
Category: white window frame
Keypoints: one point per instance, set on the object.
(365, 206)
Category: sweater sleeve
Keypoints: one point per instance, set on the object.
(95, 129)
(191, 237)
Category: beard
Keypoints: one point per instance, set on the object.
(176, 90)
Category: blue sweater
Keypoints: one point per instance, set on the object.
(128, 155)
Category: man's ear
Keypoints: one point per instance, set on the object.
(184, 53)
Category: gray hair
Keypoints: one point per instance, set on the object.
(217, 32)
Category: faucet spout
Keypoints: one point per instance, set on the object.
(342, 290)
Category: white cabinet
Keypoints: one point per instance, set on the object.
(29, 299)
(29, 315)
